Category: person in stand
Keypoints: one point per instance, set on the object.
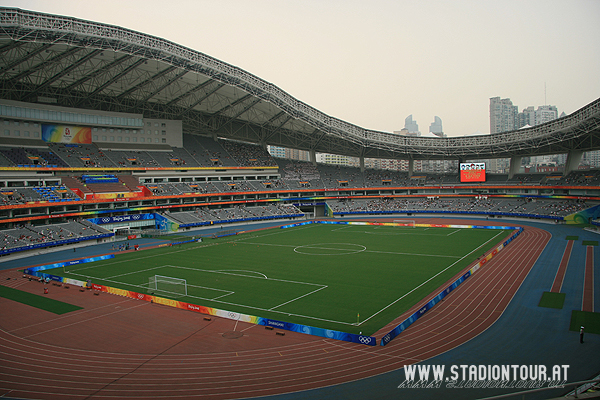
(581, 335)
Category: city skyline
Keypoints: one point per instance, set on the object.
(372, 64)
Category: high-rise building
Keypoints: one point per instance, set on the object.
(411, 125)
(292, 154)
(545, 114)
(436, 127)
(531, 117)
(526, 118)
(503, 115)
(336, 159)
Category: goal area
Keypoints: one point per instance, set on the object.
(159, 284)
(404, 222)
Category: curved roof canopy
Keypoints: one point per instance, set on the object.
(91, 65)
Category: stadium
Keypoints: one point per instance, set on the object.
(152, 248)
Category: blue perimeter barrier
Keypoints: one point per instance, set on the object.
(325, 333)
(410, 320)
(33, 270)
(185, 241)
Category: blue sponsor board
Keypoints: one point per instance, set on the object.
(297, 224)
(325, 333)
(32, 270)
(121, 218)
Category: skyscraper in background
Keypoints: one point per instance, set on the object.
(411, 125)
(436, 127)
(503, 115)
(284, 152)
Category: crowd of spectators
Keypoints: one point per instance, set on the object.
(29, 235)
(542, 207)
(216, 215)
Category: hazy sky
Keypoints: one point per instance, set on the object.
(372, 63)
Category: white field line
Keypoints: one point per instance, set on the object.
(116, 261)
(278, 232)
(249, 276)
(228, 271)
(406, 294)
(363, 251)
(131, 273)
(299, 297)
(223, 295)
(390, 232)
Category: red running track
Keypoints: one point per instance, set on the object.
(128, 349)
(562, 268)
(588, 281)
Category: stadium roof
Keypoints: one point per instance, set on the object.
(90, 65)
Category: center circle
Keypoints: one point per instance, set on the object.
(330, 249)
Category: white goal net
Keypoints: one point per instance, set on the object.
(167, 285)
(405, 222)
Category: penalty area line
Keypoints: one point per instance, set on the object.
(297, 298)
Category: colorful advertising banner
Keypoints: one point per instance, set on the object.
(165, 224)
(66, 134)
(121, 218)
(584, 216)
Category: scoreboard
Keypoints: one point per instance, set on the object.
(472, 172)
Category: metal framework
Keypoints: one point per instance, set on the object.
(97, 66)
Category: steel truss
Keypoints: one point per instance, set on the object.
(91, 65)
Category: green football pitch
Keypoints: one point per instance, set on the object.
(342, 277)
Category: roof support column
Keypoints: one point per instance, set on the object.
(515, 164)
(573, 160)
(313, 157)
(411, 167)
(362, 163)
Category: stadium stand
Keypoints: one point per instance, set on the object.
(81, 155)
(392, 191)
(29, 235)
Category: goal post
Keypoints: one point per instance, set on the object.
(405, 222)
(168, 285)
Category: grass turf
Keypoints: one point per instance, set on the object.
(589, 320)
(348, 278)
(552, 300)
(34, 300)
(590, 243)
